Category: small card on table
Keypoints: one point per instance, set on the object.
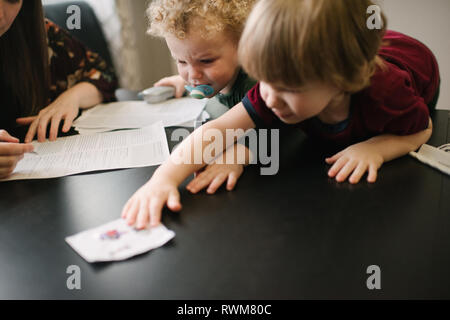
(117, 241)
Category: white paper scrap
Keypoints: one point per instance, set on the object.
(434, 157)
(115, 241)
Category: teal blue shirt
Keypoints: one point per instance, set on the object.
(240, 88)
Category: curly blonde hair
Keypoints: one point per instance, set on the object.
(177, 17)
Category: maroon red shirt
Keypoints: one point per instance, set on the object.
(395, 102)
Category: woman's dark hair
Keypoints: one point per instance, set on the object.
(24, 61)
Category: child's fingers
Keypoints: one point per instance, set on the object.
(132, 213)
(142, 217)
(163, 82)
(125, 209)
(200, 182)
(179, 91)
(334, 158)
(156, 206)
(170, 82)
(337, 166)
(372, 177)
(358, 173)
(173, 202)
(232, 180)
(216, 183)
(345, 171)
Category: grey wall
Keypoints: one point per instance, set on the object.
(153, 53)
(429, 22)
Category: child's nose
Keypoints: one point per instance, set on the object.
(195, 74)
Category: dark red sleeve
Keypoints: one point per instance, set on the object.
(394, 106)
(261, 115)
(416, 59)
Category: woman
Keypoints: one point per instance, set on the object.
(45, 77)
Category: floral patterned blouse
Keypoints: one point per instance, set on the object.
(71, 62)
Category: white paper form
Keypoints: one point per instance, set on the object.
(138, 114)
(189, 124)
(104, 151)
(116, 241)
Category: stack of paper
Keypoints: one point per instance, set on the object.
(116, 241)
(102, 151)
(138, 114)
(437, 158)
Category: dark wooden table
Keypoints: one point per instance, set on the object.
(294, 235)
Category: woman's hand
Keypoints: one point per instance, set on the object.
(65, 107)
(147, 203)
(11, 152)
(174, 81)
(356, 160)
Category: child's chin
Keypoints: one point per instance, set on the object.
(289, 120)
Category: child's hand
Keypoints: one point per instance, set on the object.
(214, 176)
(357, 158)
(216, 173)
(147, 203)
(174, 81)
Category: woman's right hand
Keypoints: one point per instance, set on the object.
(174, 81)
(147, 203)
(11, 152)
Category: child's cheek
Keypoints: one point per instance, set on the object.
(183, 74)
(217, 79)
(263, 93)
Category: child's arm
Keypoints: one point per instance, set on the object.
(174, 81)
(147, 203)
(370, 155)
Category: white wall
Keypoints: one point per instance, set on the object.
(429, 22)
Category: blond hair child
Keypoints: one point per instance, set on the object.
(320, 68)
(203, 37)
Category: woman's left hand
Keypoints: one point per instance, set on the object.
(356, 160)
(65, 107)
